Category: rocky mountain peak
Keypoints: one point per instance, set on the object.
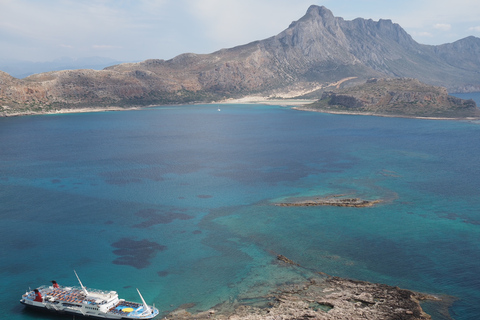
(317, 36)
(319, 12)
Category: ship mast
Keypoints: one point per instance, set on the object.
(145, 306)
(83, 288)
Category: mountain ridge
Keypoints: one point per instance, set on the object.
(22, 68)
(314, 51)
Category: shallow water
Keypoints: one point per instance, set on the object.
(177, 201)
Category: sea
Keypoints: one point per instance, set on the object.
(179, 202)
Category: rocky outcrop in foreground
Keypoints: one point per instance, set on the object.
(396, 97)
(323, 298)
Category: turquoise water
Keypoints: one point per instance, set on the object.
(177, 201)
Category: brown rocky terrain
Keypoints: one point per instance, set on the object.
(396, 97)
(313, 52)
(330, 299)
(323, 298)
(335, 201)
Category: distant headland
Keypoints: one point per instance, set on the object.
(397, 97)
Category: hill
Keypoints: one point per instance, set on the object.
(395, 97)
(22, 69)
(311, 54)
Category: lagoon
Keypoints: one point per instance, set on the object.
(178, 202)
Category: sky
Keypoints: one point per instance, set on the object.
(135, 30)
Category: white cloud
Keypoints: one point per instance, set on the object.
(104, 46)
(422, 34)
(420, 17)
(442, 26)
(234, 22)
(142, 29)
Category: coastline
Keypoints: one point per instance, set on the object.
(267, 101)
(299, 104)
(295, 104)
(246, 100)
(380, 115)
(65, 111)
(322, 297)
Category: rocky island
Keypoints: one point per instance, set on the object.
(336, 201)
(321, 297)
(399, 97)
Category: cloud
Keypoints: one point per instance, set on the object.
(104, 46)
(442, 26)
(421, 17)
(234, 22)
(427, 12)
(422, 34)
(143, 29)
(476, 29)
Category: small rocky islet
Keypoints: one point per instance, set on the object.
(322, 296)
(335, 200)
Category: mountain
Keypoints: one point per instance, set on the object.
(22, 69)
(312, 53)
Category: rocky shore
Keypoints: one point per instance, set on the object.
(397, 97)
(8, 113)
(324, 298)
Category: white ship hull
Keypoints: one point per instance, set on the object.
(46, 308)
(92, 303)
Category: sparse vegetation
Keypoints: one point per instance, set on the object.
(396, 97)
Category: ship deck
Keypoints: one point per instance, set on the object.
(106, 302)
(125, 307)
(73, 295)
(77, 296)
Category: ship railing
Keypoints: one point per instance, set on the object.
(51, 306)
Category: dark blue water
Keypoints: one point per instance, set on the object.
(177, 201)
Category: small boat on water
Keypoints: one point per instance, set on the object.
(87, 303)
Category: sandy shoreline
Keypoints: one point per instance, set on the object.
(267, 101)
(65, 111)
(296, 104)
(380, 115)
(82, 110)
(246, 100)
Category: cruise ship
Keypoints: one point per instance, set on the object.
(87, 303)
